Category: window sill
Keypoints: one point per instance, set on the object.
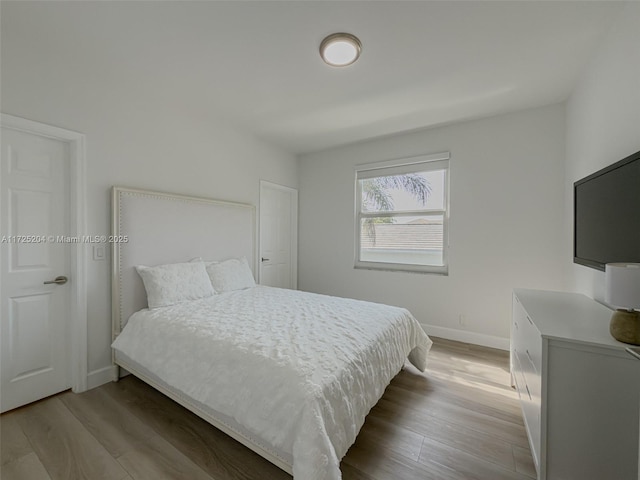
(421, 269)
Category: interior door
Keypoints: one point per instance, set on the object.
(278, 235)
(34, 328)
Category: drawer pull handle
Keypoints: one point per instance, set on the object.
(529, 355)
(529, 320)
(528, 392)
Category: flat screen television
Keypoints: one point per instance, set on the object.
(607, 215)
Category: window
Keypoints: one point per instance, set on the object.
(402, 214)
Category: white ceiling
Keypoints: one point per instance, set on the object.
(256, 66)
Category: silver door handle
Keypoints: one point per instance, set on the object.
(264, 259)
(61, 280)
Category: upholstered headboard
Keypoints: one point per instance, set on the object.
(152, 228)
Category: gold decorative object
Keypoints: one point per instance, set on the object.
(622, 290)
(625, 326)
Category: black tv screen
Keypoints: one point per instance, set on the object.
(607, 215)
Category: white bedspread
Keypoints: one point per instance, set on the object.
(299, 370)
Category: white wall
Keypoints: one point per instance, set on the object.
(506, 227)
(132, 140)
(603, 126)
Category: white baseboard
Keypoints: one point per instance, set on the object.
(467, 337)
(101, 376)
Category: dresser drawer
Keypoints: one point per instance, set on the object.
(518, 326)
(533, 380)
(530, 404)
(520, 381)
(532, 345)
(525, 337)
(531, 415)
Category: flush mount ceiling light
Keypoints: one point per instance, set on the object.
(340, 49)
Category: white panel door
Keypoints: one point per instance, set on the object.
(278, 235)
(34, 205)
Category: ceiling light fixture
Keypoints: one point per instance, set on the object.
(340, 49)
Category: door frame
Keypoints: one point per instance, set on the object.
(294, 228)
(78, 339)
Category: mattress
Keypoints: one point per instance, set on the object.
(299, 371)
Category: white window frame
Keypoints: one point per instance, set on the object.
(422, 163)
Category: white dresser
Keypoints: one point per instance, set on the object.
(578, 387)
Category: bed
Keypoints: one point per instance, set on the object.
(289, 374)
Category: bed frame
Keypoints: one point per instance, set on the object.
(151, 228)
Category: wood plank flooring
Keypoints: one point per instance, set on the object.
(460, 420)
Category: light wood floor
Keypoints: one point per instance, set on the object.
(459, 420)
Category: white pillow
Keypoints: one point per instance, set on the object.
(230, 275)
(175, 283)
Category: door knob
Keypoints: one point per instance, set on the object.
(61, 280)
(265, 259)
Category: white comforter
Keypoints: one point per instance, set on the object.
(300, 370)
